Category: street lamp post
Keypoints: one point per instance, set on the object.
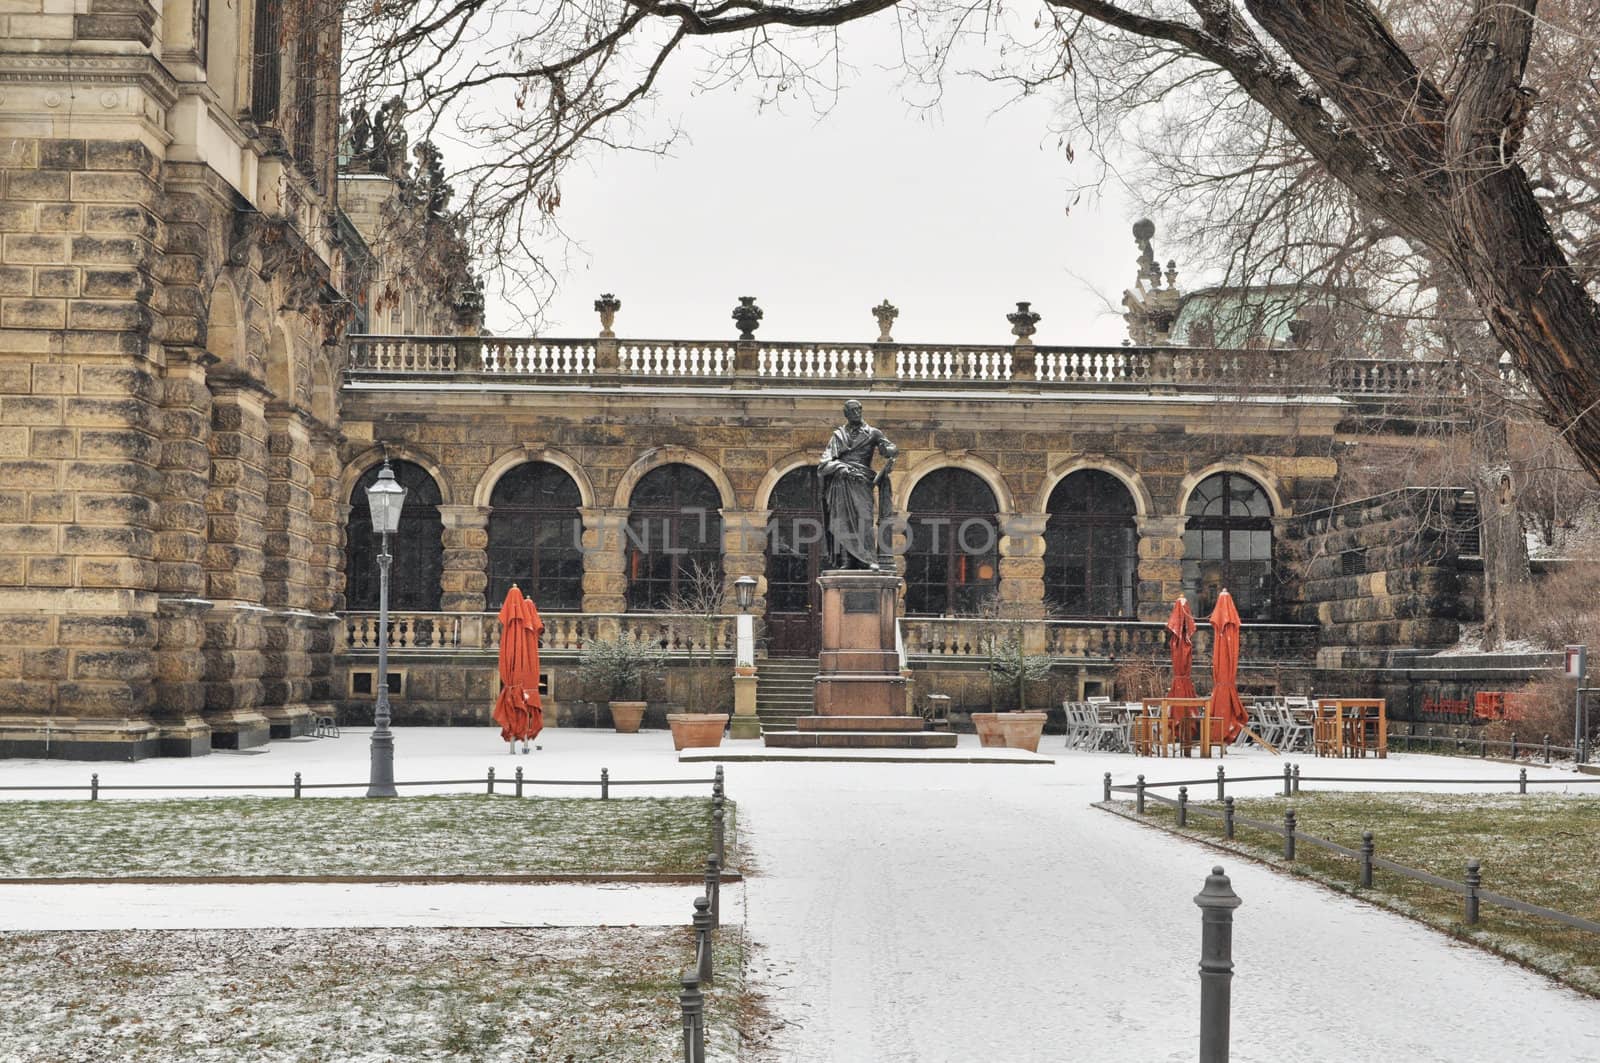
(384, 499)
(745, 723)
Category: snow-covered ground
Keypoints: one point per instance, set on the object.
(955, 912)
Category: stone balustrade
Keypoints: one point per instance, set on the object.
(947, 638)
(564, 633)
(721, 362)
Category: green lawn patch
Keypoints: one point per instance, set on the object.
(1542, 849)
(356, 995)
(446, 835)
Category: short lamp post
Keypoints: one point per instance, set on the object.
(745, 723)
(384, 498)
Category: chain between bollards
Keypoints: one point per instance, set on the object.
(605, 784)
(714, 887)
(1366, 859)
(1288, 834)
(297, 784)
(1227, 817)
(719, 829)
(1216, 902)
(702, 938)
(692, 1002)
(1183, 806)
(1469, 901)
(519, 780)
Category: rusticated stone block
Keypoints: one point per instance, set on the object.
(49, 507)
(95, 539)
(113, 508)
(115, 284)
(39, 186)
(102, 476)
(119, 444)
(123, 219)
(103, 664)
(13, 506)
(121, 155)
(32, 312)
(28, 474)
(31, 696)
(93, 412)
(126, 632)
(105, 314)
(48, 663)
(49, 572)
(31, 410)
(32, 248)
(91, 698)
(15, 280)
(101, 251)
(129, 572)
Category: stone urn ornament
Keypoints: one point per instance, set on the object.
(885, 312)
(747, 315)
(607, 306)
(1024, 323)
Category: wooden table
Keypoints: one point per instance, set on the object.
(1158, 732)
(1350, 727)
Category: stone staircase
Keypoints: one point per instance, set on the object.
(785, 689)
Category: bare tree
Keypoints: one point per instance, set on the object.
(1423, 137)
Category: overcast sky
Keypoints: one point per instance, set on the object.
(952, 215)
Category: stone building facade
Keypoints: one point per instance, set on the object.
(172, 278)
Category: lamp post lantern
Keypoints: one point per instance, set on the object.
(744, 589)
(384, 499)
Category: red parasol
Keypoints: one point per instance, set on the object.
(517, 710)
(1225, 703)
(1181, 627)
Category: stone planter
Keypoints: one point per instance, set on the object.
(1009, 730)
(625, 716)
(697, 730)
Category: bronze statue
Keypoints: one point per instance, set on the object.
(847, 486)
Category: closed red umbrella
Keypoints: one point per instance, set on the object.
(517, 710)
(1225, 703)
(1180, 628)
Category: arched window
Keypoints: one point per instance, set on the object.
(417, 547)
(1091, 547)
(953, 560)
(1227, 542)
(536, 538)
(674, 532)
(794, 557)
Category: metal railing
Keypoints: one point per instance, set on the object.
(519, 783)
(1469, 887)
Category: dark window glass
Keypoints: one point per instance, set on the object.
(953, 554)
(794, 541)
(1091, 547)
(202, 31)
(265, 67)
(1228, 543)
(417, 547)
(536, 538)
(674, 530)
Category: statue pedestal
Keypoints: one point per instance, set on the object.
(860, 693)
(860, 668)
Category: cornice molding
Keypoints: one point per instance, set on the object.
(62, 68)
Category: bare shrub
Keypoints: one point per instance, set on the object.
(1545, 709)
(1136, 680)
(1561, 608)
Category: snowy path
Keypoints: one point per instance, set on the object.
(934, 913)
(303, 906)
(940, 913)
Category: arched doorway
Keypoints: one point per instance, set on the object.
(674, 535)
(417, 547)
(794, 558)
(536, 538)
(953, 560)
(1227, 542)
(1091, 547)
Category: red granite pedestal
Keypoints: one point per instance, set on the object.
(860, 693)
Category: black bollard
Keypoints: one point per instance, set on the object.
(490, 780)
(1227, 817)
(519, 780)
(693, 1004)
(1138, 796)
(1288, 834)
(1107, 787)
(714, 888)
(1183, 806)
(1216, 902)
(1366, 859)
(297, 784)
(702, 938)
(1469, 901)
(1221, 783)
(605, 784)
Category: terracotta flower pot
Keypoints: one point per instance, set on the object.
(1009, 730)
(697, 730)
(625, 716)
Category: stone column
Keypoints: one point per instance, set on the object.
(234, 560)
(1160, 565)
(286, 567)
(605, 577)
(180, 556)
(326, 567)
(466, 558)
(1023, 565)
